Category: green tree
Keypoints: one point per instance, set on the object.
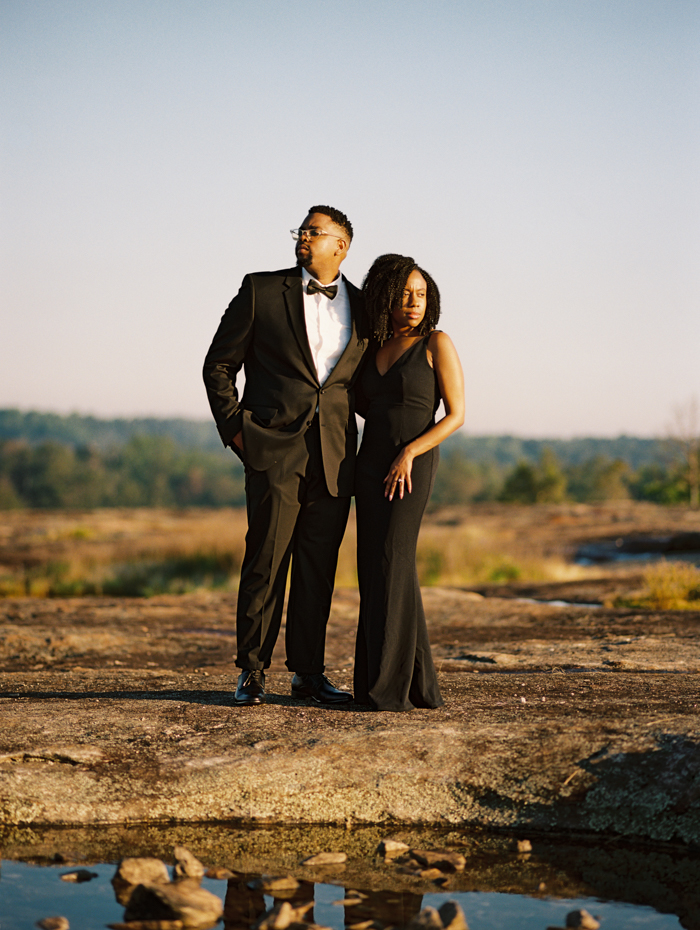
(684, 445)
(544, 483)
(598, 479)
(461, 481)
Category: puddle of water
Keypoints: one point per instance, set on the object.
(30, 892)
(557, 603)
(629, 886)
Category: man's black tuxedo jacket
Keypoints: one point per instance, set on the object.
(264, 331)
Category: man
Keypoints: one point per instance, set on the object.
(295, 334)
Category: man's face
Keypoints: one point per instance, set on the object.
(318, 251)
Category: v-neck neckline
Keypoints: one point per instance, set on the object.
(397, 360)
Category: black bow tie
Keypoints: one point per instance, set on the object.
(313, 288)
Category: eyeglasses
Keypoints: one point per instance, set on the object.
(310, 234)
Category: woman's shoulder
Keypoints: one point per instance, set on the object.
(438, 339)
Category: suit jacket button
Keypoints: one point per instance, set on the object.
(308, 422)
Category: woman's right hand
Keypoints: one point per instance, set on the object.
(399, 476)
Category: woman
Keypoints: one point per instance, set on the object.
(409, 369)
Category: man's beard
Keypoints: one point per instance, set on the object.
(304, 260)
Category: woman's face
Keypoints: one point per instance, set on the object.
(413, 305)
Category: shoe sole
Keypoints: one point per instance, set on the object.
(249, 702)
(312, 697)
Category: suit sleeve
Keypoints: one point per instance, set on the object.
(225, 359)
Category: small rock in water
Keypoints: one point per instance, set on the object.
(136, 871)
(442, 859)
(274, 884)
(428, 919)
(218, 871)
(583, 919)
(391, 848)
(326, 858)
(352, 899)
(452, 916)
(53, 923)
(183, 900)
(148, 925)
(431, 874)
(523, 846)
(278, 918)
(78, 875)
(187, 865)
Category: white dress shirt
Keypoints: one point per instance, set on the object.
(328, 324)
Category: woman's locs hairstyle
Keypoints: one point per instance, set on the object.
(383, 289)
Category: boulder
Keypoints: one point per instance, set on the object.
(443, 859)
(390, 849)
(277, 885)
(136, 871)
(78, 875)
(184, 900)
(428, 919)
(326, 858)
(187, 865)
(581, 918)
(452, 916)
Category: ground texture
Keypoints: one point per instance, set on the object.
(555, 719)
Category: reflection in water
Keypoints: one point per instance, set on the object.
(244, 906)
(29, 893)
(391, 909)
(499, 889)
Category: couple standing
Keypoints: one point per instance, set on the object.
(300, 336)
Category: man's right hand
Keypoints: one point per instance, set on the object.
(238, 440)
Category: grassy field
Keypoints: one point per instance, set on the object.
(144, 551)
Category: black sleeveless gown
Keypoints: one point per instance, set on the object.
(393, 665)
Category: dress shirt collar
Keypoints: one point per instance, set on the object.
(306, 277)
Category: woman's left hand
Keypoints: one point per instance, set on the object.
(399, 477)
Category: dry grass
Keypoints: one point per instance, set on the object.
(150, 551)
(667, 586)
(120, 552)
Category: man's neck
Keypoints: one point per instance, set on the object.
(324, 275)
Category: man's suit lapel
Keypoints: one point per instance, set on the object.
(294, 299)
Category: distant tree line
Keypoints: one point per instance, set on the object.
(548, 481)
(149, 471)
(49, 461)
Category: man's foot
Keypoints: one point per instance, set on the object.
(251, 687)
(319, 689)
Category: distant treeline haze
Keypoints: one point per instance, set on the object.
(50, 461)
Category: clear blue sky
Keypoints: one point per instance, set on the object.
(540, 158)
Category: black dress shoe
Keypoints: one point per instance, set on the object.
(251, 687)
(319, 689)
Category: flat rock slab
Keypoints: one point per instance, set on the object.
(556, 719)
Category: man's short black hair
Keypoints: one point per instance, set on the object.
(338, 217)
(383, 288)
